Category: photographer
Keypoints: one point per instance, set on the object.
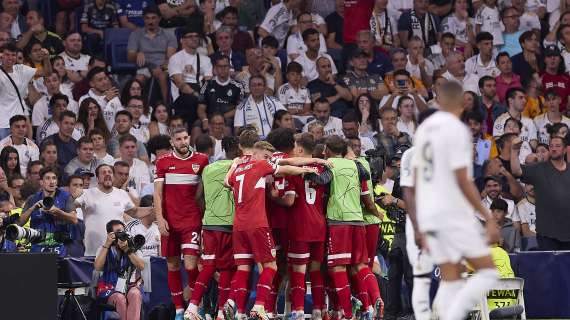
(6, 219)
(388, 194)
(51, 212)
(120, 265)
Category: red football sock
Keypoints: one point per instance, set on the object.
(175, 285)
(192, 276)
(361, 293)
(224, 283)
(342, 289)
(272, 299)
(371, 285)
(241, 279)
(317, 290)
(297, 291)
(329, 287)
(201, 284)
(264, 285)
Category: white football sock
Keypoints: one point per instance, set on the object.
(446, 293)
(420, 298)
(471, 293)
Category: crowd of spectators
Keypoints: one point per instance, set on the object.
(360, 69)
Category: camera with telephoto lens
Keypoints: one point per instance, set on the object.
(8, 220)
(377, 159)
(47, 203)
(393, 212)
(15, 232)
(134, 243)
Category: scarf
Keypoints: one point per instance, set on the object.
(381, 28)
(427, 31)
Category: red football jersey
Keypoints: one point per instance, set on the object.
(248, 183)
(181, 177)
(278, 214)
(307, 216)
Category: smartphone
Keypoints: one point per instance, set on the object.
(401, 83)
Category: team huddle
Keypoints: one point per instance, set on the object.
(273, 205)
(267, 206)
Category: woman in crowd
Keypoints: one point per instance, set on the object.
(48, 153)
(134, 88)
(283, 119)
(406, 120)
(437, 83)
(10, 162)
(557, 130)
(90, 116)
(367, 115)
(58, 65)
(463, 27)
(159, 120)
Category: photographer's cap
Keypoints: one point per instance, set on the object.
(83, 172)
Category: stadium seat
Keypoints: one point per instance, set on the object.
(116, 41)
(508, 312)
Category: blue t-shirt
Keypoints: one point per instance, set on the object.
(133, 10)
(512, 45)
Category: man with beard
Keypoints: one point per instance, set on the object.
(492, 191)
(550, 180)
(178, 215)
(101, 205)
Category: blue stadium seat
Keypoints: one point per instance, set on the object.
(116, 41)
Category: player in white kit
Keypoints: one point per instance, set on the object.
(420, 260)
(446, 203)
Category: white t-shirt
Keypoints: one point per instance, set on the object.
(512, 213)
(529, 21)
(9, 103)
(139, 174)
(474, 65)
(27, 152)
(186, 64)
(80, 64)
(438, 155)
(528, 131)
(40, 112)
(99, 208)
(457, 27)
(310, 66)
(140, 132)
(151, 235)
(277, 22)
(527, 213)
(470, 81)
(332, 127)
(293, 99)
(407, 127)
(541, 121)
(260, 115)
(414, 69)
(490, 21)
(109, 108)
(296, 45)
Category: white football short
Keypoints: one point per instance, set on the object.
(451, 245)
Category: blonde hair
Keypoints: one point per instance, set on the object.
(264, 145)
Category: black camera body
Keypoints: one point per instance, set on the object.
(393, 212)
(134, 243)
(8, 220)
